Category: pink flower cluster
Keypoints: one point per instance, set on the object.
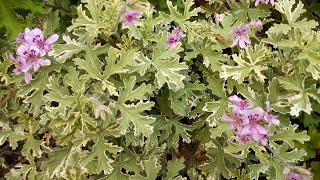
(131, 18)
(174, 37)
(264, 2)
(251, 124)
(33, 47)
(242, 34)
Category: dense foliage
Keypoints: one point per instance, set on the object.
(187, 89)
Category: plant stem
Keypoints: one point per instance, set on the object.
(278, 156)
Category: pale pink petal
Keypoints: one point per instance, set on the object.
(36, 66)
(27, 66)
(34, 50)
(37, 32)
(12, 58)
(227, 118)
(46, 62)
(264, 141)
(52, 39)
(17, 71)
(245, 29)
(256, 135)
(35, 37)
(257, 2)
(272, 2)
(27, 77)
(242, 44)
(256, 24)
(20, 61)
(268, 106)
(246, 39)
(258, 113)
(271, 119)
(235, 41)
(246, 130)
(26, 30)
(22, 50)
(42, 52)
(261, 129)
(232, 125)
(235, 99)
(245, 121)
(237, 31)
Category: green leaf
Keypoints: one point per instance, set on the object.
(220, 163)
(243, 68)
(217, 131)
(285, 7)
(23, 171)
(120, 66)
(132, 112)
(289, 135)
(173, 130)
(9, 18)
(242, 10)
(295, 83)
(180, 100)
(174, 167)
(59, 159)
(31, 148)
(125, 161)
(151, 168)
(166, 62)
(103, 16)
(62, 52)
(98, 154)
(178, 17)
(33, 92)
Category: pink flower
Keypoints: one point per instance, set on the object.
(20, 38)
(172, 41)
(294, 176)
(33, 57)
(240, 105)
(131, 18)
(36, 38)
(236, 121)
(254, 127)
(264, 2)
(20, 62)
(271, 119)
(174, 38)
(178, 31)
(256, 24)
(241, 36)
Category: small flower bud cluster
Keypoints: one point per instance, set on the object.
(33, 46)
(242, 34)
(174, 37)
(131, 18)
(252, 125)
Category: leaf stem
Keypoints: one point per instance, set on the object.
(278, 156)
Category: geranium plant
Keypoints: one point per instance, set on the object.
(163, 90)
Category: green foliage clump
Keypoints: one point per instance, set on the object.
(116, 103)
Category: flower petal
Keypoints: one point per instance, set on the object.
(27, 77)
(52, 39)
(27, 66)
(22, 50)
(46, 62)
(235, 40)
